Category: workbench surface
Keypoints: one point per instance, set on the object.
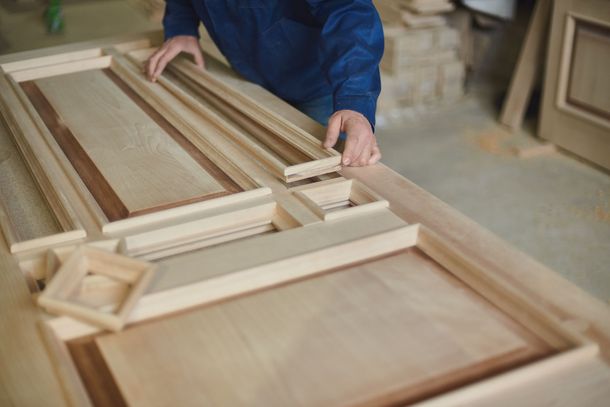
(31, 374)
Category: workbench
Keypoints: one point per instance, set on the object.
(293, 282)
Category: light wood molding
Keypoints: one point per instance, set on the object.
(58, 296)
(310, 158)
(337, 198)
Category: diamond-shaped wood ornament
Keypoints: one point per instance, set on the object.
(59, 297)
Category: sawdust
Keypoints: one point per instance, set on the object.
(602, 214)
(500, 142)
(601, 209)
(493, 143)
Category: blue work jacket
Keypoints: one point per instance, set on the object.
(300, 50)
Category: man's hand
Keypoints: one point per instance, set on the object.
(361, 146)
(172, 47)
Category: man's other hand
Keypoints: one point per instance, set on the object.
(168, 51)
(360, 146)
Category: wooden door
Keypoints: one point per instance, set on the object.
(576, 105)
(241, 269)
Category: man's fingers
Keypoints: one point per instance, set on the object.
(164, 60)
(352, 150)
(151, 64)
(332, 131)
(375, 156)
(365, 155)
(196, 53)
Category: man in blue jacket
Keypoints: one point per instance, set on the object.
(322, 56)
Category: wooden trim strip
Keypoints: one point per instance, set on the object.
(286, 268)
(228, 184)
(509, 300)
(10, 67)
(97, 184)
(26, 131)
(466, 395)
(203, 134)
(279, 126)
(61, 69)
(154, 219)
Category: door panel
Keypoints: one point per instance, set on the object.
(397, 328)
(576, 105)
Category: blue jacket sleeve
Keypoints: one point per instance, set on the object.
(352, 43)
(180, 19)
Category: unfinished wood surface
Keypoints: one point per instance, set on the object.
(574, 109)
(583, 383)
(61, 294)
(289, 154)
(367, 333)
(529, 65)
(338, 198)
(24, 357)
(201, 277)
(25, 133)
(132, 163)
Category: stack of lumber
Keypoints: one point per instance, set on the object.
(420, 67)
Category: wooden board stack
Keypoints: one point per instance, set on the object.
(420, 66)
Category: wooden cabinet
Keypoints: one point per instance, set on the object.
(576, 106)
(278, 281)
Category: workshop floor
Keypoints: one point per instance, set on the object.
(553, 207)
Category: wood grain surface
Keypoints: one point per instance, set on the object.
(368, 333)
(130, 162)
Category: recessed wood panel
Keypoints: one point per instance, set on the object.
(589, 87)
(129, 157)
(390, 330)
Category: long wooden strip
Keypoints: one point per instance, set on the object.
(273, 164)
(510, 380)
(61, 69)
(24, 131)
(232, 220)
(155, 219)
(194, 152)
(184, 293)
(528, 66)
(506, 298)
(51, 60)
(282, 158)
(273, 122)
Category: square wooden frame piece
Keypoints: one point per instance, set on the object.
(328, 199)
(87, 260)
